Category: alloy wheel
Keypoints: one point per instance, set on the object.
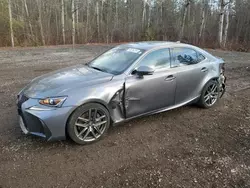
(211, 94)
(90, 125)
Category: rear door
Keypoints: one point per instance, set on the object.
(150, 92)
(189, 69)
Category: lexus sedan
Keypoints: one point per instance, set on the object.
(126, 82)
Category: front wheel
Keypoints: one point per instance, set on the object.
(88, 123)
(210, 94)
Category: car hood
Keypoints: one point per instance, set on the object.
(58, 83)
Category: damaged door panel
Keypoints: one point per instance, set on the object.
(117, 106)
(148, 93)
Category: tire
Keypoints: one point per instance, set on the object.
(88, 123)
(205, 98)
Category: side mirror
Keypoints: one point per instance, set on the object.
(143, 70)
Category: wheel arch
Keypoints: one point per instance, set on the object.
(201, 101)
(215, 78)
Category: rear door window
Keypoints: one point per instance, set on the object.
(185, 56)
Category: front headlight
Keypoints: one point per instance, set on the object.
(53, 101)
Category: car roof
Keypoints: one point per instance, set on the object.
(149, 45)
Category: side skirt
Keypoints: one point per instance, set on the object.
(159, 110)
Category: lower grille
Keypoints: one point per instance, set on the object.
(33, 123)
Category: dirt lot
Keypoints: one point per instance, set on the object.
(186, 147)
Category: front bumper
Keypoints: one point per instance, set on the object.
(45, 122)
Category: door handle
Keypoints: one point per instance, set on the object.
(169, 78)
(204, 69)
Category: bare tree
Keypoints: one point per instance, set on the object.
(73, 21)
(40, 21)
(144, 12)
(66, 21)
(149, 13)
(77, 19)
(107, 22)
(102, 15)
(202, 20)
(116, 12)
(116, 21)
(129, 18)
(11, 23)
(62, 20)
(161, 12)
(87, 22)
(227, 24)
(98, 21)
(28, 18)
(187, 3)
(221, 21)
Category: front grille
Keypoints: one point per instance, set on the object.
(21, 99)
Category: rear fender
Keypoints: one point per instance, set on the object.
(221, 81)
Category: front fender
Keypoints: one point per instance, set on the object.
(107, 94)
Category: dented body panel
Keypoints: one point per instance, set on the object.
(149, 93)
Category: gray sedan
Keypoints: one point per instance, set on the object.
(126, 82)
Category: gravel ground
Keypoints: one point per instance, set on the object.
(185, 147)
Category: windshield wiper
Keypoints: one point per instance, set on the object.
(96, 68)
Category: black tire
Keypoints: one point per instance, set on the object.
(73, 129)
(202, 102)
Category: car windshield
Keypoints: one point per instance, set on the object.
(116, 60)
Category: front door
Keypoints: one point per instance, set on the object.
(150, 92)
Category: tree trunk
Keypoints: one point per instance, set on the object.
(40, 22)
(57, 29)
(101, 22)
(102, 10)
(73, 21)
(87, 23)
(162, 13)
(144, 13)
(129, 19)
(227, 25)
(97, 21)
(116, 21)
(62, 20)
(28, 18)
(221, 22)
(10, 22)
(77, 20)
(161, 29)
(184, 19)
(116, 13)
(149, 14)
(48, 28)
(107, 22)
(202, 21)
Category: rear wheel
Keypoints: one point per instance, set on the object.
(210, 94)
(88, 123)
